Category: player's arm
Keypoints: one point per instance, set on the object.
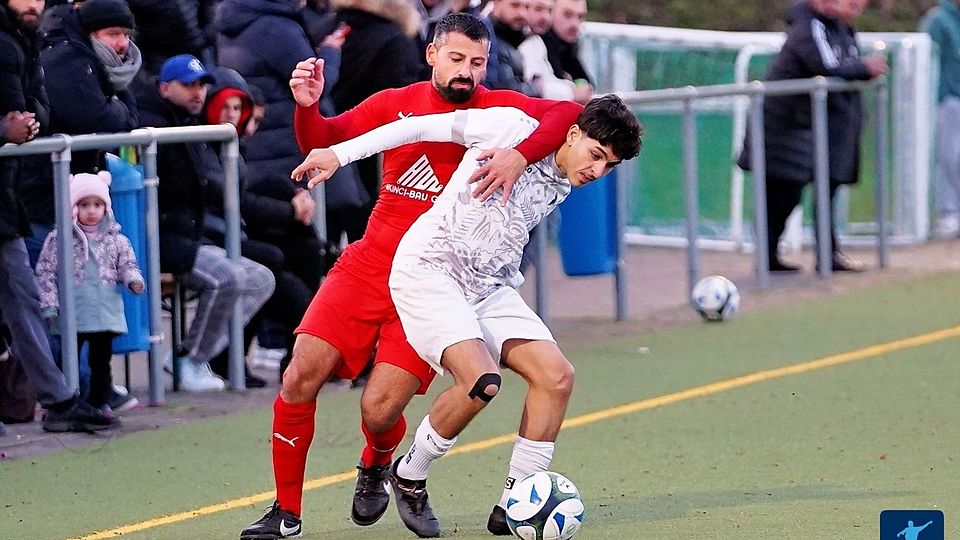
(444, 127)
(312, 130)
(505, 165)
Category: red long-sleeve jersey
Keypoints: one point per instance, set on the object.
(414, 174)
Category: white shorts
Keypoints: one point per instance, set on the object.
(435, 315)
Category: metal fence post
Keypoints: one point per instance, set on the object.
(626, 173)
(230, 153)
(154, 361)
(882, 172)
(65, 267)
(821, 177)
(540, 263)
(690, 186)
(758, 162)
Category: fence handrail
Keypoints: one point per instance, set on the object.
(752, 88)
(817, 88)
(60, 147)
(106, 141)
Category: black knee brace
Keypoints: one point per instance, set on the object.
(479, 389)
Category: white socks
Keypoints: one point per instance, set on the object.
(528, 457)
(427, 447)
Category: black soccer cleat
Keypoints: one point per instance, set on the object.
(370, 499)
(276, 523)
(413, 505)
(497, 522)
(76, 415)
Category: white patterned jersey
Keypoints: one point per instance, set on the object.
(477, 243)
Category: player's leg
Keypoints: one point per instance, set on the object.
(387, 393)
(453, 343)
(476, 383)
(333, 338)
(314, 360)
(524, 344)
(398, 374)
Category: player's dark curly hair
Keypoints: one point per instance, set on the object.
(463, 23)
(608, 120)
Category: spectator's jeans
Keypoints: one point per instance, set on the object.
(221, 282)
(34, 245)
(20, 299)
(948, 157)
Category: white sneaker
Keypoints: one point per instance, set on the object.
(947, 226)
(196, 377)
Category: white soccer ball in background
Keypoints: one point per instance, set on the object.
(715, 298)
(544, 506)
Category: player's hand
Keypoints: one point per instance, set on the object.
(504, 168)
(320, 165)
(20, 127)
(306, 82)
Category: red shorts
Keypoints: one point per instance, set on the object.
(351, 313)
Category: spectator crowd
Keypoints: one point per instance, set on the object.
(102, 66)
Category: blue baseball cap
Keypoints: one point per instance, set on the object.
(184, 68)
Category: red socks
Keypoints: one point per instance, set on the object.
(380, 446)
(293, 425)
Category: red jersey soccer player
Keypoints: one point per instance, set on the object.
(353, 308)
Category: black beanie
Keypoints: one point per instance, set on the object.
(99, 14)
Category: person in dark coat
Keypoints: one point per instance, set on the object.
(23, 106)
(345, 195)
(89, 63)
(818, 44)
(167, 28)
(562, 41)
(509, 21)
(190, 175)
(379, 53)
(231, 101)
(263, 40)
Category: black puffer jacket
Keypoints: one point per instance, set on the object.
(188, 177)
(509, 60)
(21, 89)
(82, 100)
(379, 51)
(263, 40)
(166, 28)
(564, 58)
(815, 45)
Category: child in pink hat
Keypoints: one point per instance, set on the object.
(102, 259)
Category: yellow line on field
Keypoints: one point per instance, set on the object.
(590, 418)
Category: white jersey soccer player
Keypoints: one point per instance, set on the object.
(454, 276)
(460, 261)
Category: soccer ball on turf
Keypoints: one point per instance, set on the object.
(544, 506)
(715, 298)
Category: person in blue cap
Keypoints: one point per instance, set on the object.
(190, 175)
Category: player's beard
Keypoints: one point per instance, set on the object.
(455, 95)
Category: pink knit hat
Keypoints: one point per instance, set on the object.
(90, 185)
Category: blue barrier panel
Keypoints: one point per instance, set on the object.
(588, 228)
(129, 209)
